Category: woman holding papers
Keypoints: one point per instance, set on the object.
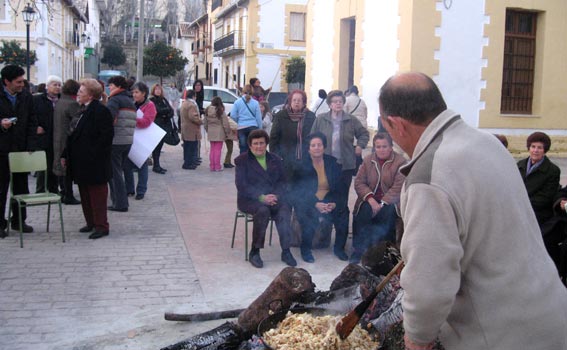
(146, 113)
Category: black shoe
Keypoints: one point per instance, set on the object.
(70, 201)
(159, 170)
(122, 210)
(288, 258)
(131, 194)
(86, 229)
(228, 165)
(340, 253)
(307, 256)
(3, 233)
(25, 228)
(189, 167)
(355, 258)
(255, 260)
(139, 196)
(98, 234)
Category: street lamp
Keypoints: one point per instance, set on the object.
(29, 16)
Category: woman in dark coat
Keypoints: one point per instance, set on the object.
(260, 183)
(290, 128)
(88, 157)
(540, 175)
(315, 190)
(163, 120)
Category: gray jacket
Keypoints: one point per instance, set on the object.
(350, 128)
(123, 111)
(477, 273)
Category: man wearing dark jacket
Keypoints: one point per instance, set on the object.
(43, 105)
(17, 133)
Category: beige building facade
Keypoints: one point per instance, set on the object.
(502, 64)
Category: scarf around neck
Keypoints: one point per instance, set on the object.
(297, 117)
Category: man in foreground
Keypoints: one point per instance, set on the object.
(477, 274)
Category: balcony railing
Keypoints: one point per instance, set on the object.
(72, 39)
(230, 43)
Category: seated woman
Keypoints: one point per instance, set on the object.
(378, 185)
(540, 175)
(315, 190)
(260, 183)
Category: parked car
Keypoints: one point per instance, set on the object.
(227, 96)
(104, 75)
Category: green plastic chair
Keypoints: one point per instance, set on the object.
(25, 162)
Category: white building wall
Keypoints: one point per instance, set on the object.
(379, 52)
(322, 49)
(460, 57)
(272, 32)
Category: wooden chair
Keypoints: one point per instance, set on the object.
(25, 162)
(247, 218)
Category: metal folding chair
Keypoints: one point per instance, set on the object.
(25, 162)
(247, 218)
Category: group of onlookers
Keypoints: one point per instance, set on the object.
(87, 137)
(308, 170)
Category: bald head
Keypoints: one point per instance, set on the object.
(412, 96)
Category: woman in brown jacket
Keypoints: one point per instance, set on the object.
(378, 185)
(190, 130)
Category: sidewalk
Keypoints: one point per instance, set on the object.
(169, 252)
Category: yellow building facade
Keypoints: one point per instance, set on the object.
(502, 64)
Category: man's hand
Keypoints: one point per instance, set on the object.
(63, 162)
(358, 150)
(375, 206)
(40, 130)
(410, 345)
(6, 123)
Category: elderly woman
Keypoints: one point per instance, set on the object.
(43, 106)
(289, 132)
(260, 183)
(378, 185)
(146, 112)
(88, 156)
(540, 176)
(314, 187)
(341, 128)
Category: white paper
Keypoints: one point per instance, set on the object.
(145, 141)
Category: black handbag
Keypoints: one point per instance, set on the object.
(171, 134)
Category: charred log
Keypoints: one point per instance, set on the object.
(224, 337)
(285, 289)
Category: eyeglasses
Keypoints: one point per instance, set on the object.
(337, 101)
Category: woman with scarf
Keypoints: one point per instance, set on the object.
(290, 128)
(146, 114)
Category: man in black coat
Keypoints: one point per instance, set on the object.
(261, 186)
(44, 105)
(88, 155)
(17, 133)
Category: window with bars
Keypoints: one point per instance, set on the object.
(519, 62)
(297, 26)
